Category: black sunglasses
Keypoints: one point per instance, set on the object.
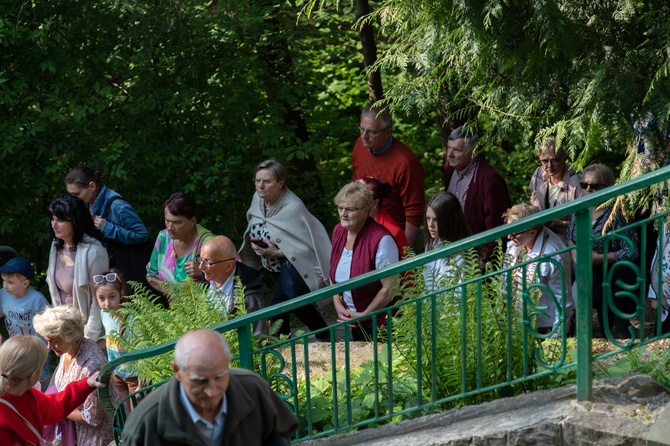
(593, 186)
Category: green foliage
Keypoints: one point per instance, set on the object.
(365, 391)
(187, 96)
(586, 72)
(654, 361)
(148, 324)
(449, 356)
(469, 338)
(554, 352)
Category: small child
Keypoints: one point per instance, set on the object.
(110, 292)
(19, 302)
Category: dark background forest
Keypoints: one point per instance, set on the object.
(166, 96)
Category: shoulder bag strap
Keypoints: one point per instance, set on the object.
(30, 426)
(196, 251)
(108, 206)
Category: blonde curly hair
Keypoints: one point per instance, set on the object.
(64, 322)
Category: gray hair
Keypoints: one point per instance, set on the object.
(378, 113)
(605, 173)
(470, 140)
(182, 351)
(519, 211)
(275, 167)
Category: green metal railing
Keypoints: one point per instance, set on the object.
(502, 322)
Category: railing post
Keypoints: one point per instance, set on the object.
(584, 272)
(245, 346)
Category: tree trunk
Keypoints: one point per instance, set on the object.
(367, 36)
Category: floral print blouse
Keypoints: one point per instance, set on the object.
(97, 427)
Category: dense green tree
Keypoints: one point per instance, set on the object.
(522, 70)
(583, 70)
(169, 96)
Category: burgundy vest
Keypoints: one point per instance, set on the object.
(363, 260)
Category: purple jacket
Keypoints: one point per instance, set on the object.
(487, 199)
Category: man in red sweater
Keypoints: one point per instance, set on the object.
(378, 155)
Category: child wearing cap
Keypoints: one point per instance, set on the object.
(19, 302)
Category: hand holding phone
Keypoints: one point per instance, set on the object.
(258, 242)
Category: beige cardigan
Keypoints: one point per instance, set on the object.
(91, 259)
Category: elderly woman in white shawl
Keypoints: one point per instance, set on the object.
(288, 241)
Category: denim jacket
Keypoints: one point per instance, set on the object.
(123, 223)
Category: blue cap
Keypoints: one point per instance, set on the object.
(18, 265)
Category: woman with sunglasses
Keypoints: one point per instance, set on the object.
(76, 256)
(554, 183)
(594, 178)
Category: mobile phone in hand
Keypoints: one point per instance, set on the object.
(258, 242)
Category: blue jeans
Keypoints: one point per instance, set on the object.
(287, 285)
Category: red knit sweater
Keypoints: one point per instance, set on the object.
(39, 409)
(401, 169)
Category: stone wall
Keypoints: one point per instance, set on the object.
(626, 410)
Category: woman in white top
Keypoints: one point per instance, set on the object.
(444, 223)
(361, 245)
(553, 273)
(76, 256)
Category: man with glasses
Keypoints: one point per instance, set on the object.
(554, 183)
(217, 261)
(378, 155)
(207, 402)
(479, 188)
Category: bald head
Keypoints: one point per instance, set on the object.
(201, 365)
(220, 245)
(220, 252)
(199, 348)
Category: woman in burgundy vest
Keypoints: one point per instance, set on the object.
(361, 245)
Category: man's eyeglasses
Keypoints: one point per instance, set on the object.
(109, 277)
(209, 264)
(343, 210)
(552, 161)
(518, 234)
(372, 132)
(593, 186)
(263, 182)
